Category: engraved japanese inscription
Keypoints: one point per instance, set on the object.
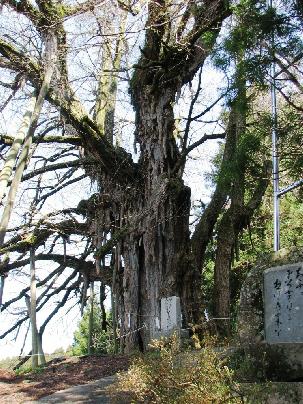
(283, 304)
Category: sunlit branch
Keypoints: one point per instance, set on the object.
(42, 231)
(59, 166)
(73, 140)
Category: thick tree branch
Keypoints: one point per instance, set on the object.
(73, 140)
(22, 242)
(81, 8)
(16, 325)
(20, 62)
(68, 260)
(59, 166)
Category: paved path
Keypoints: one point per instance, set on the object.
(95, 393)
(92, 393)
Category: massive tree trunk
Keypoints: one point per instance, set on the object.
(156, 252)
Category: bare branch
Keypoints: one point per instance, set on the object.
(61, 304)
(26, 290)
(214, 136)
(191, 108)
(44, 197)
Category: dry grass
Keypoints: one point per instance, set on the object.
(167, 375)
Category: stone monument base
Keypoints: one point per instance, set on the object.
(283, 349)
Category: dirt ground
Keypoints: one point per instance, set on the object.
(58, 375)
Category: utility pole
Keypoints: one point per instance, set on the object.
(274, 137)
(275, 153)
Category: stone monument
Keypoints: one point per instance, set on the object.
(270, 311)
(170, 315)
(283, 304)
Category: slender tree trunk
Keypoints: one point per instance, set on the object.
(108, 82)
(116, 267)
(42, 360)
(23, 158)
(103, 312)
(234, 220)
(84, 293)
(228, 229)
(12, 155)
(50, 59)
(33, 299)
(91, 321)
(225, 244)
(41, 355)
(114, 321)
(2, 283)
(204, 230)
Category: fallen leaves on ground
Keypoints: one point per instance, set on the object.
(58, 375)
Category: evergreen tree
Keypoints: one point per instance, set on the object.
(102, 341)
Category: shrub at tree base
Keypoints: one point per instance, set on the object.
(170, 376)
